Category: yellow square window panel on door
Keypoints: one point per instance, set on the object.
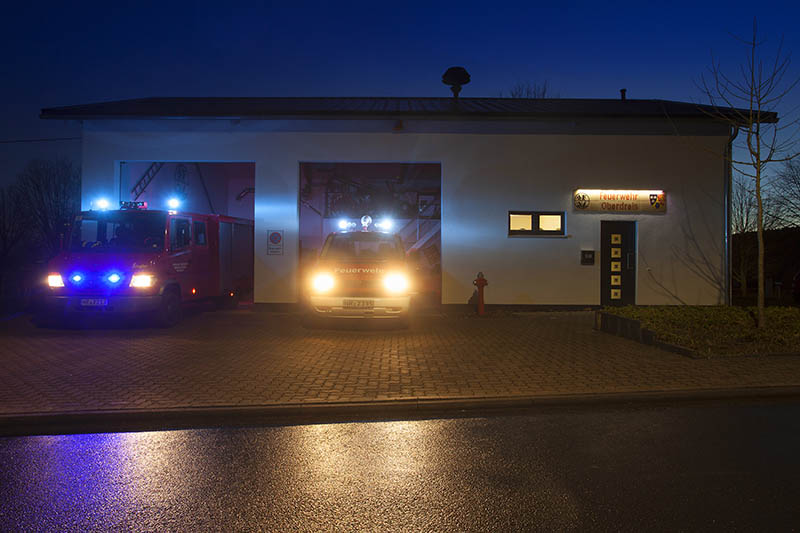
(550, 222)
(520, 222)
(618, 262)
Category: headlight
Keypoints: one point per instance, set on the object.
(322, 282)
(55, 280)
(142, 280)
(395, 282)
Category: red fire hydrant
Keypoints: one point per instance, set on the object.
(480, 282)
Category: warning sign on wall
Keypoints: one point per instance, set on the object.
(275, 242)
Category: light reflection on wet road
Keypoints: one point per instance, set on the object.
(662, 468)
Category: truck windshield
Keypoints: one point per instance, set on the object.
(362, 246)
(118, 232)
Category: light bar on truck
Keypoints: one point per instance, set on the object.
(385, 224)
(132, 205)
(346, 225)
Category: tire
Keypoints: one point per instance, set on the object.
(404, 322)
(309, 321)
(230, 302)
(170, 312)
(45, 320)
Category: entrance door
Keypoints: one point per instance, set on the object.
(180, 254)
(201, 267)
(617, 262)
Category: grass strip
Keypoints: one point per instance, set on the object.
(720, 330)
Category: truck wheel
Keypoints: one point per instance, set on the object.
(404, 322)
(310, 321)
(44, 320)
(170, 312)
(228, 301)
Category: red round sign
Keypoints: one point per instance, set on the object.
(275, 237)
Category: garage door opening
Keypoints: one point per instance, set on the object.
(408, 193)
(204, 188)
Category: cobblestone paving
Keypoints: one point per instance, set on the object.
(244, 358)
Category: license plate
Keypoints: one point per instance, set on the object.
(94, 302)
(359, 304)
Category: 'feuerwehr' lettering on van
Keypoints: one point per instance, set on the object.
(358, 270)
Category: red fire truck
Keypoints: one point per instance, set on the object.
(136, 261)
(361, 274)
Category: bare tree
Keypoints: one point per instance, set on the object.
(527, 89)
(787, 188)
(13, 226)
(50, 194)
(748, 101)
(744, 210)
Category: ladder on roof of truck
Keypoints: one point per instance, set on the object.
(145, 180)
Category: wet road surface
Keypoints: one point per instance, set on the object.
(613, 468)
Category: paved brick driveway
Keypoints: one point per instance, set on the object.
(246, 358)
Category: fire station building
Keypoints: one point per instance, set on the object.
(557, 201)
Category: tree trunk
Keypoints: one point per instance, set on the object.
(760, 233)
(743, 273)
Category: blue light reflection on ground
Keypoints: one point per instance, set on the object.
(72, 473)
(72, 481)
(149, 480)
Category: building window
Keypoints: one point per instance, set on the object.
(517, 222)
(536, 223)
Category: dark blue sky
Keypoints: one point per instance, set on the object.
(59, 54)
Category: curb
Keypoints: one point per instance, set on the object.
(629, 328)
(111, 421)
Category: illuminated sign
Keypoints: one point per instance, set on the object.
(620, 200)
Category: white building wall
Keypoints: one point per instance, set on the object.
(483, 177)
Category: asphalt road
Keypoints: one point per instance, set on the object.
(667, 468)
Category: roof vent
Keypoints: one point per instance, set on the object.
(455, 77)
(622, 94)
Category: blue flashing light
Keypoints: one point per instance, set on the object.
(114, 278)
(102, 204)
(385, 224)
(76, 278)
(344, 224)
(173, 203)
